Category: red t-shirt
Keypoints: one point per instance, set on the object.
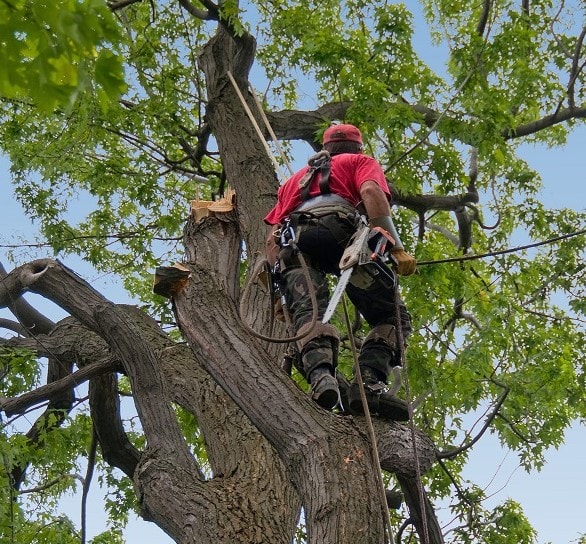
(348, 172)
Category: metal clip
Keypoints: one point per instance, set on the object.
(287, 235)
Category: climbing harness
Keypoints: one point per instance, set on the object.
(319, 163)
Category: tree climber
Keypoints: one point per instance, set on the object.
(317, 208)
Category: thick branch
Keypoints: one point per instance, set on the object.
(13, 326)
(545, 122)
(423, 203)
(53, 280)
(198, 13)
(28, 317)
(68, 340)
(51, 390)
(105, 410)
(422, 515)
(303, 125)
(396, 449)
(483, 17)
(114, 6)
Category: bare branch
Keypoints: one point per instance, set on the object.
(303, 125)
(49, 391)
(117, 450)
(576, 68)
(91, 462)
(51, 483)
(424, 203)
(422, 516)
(490, 418)
(545, 122)
(481, 27)
(199, 13)
(29, 318)
(114, 6)
(13, 326)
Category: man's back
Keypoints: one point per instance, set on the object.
(348, 171)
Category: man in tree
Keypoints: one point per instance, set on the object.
(317, 210)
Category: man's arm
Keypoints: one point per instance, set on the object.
(374, 199)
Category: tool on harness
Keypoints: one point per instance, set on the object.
(286, 235)
(367, 253)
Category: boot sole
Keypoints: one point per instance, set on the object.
(328, 399)
(383, 405)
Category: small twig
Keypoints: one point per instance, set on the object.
(51, 483)
(91, 461)
(455, 451)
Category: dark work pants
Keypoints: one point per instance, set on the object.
(322, 252)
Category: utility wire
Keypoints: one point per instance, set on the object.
(503, 251)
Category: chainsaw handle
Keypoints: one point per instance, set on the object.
(382, 238)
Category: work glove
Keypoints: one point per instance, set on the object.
(406, 264)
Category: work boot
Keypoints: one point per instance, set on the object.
(318, 356)
(380, 401)
(324, 387)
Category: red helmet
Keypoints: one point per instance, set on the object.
(342, 133)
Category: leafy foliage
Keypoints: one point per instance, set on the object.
(51, 56)
(103, 118)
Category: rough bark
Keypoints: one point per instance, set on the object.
(247, 481)
(327, 457)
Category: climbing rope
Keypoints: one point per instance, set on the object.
(503, 251)
(314, 309)
(401, 345)
(372, 436)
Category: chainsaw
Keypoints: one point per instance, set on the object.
(364, 262)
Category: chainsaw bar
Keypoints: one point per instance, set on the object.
(337, 294)
(350, 259)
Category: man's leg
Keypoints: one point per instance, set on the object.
(319, 347)
(381, 350)
(319, 356)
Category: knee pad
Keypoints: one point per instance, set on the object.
(385, 334)
(379, 350)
